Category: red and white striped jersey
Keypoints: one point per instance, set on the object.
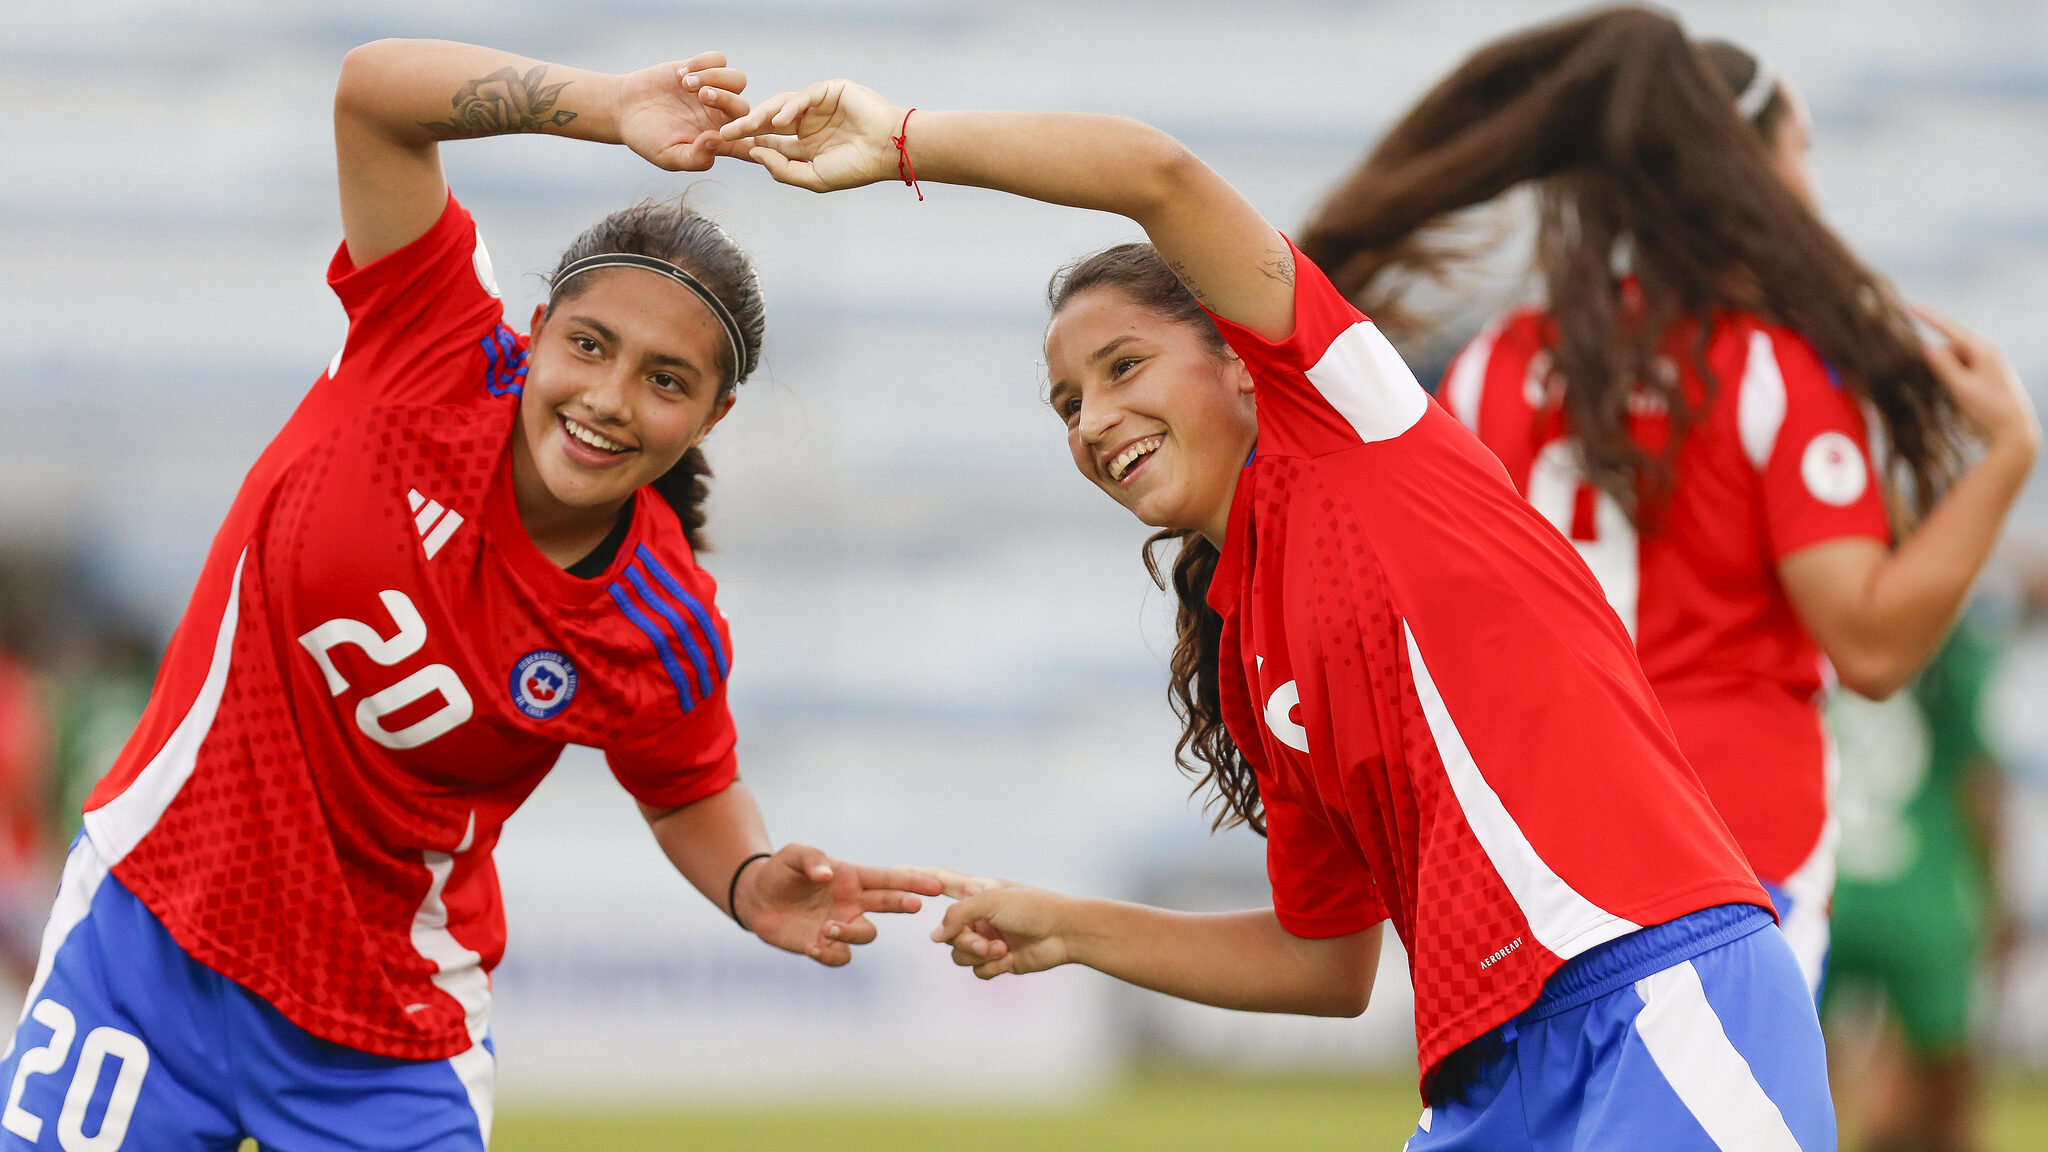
(1447, 722)
(378, 666)
(1775, 461)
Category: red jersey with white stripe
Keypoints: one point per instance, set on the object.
(1448, 725)
(378, 666)
(1775, 461)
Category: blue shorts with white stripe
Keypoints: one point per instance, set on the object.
(1694, 1035)
(128, 1043)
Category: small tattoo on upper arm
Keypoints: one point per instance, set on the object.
(1180, 271)
(504, 101)
(1279, 266)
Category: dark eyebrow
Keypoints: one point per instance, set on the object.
(663, 359)
(603, 330)
(1112, 348)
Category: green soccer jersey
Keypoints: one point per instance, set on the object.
(1905, 763)
(1910, 899)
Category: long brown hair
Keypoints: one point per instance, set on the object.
(671, 230)
(1629, 134)
(1205, 750)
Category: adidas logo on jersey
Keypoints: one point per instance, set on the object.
(434, 523)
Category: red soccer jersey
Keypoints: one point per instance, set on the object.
(1448, 725)
(1775, 462)
(378, 666)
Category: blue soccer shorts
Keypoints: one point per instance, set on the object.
(126, 1042)
(1694, 1035)
(1803, 916)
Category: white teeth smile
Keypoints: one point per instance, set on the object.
(1129, 457)
(586, 436)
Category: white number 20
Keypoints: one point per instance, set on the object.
(411, 636)
(99, 1044)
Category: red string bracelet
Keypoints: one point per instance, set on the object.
(903, 169)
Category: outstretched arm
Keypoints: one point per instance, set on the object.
(1243, 960)
(798, 899)
(398, 99)
(1880, 614)
(840, 135)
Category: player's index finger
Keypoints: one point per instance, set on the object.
(950, 883)
(754, 121)
(1940, 322)
(904, 878)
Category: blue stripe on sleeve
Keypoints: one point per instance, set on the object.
(675, 620)
(662, 647)
(695, 606)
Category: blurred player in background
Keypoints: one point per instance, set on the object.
(26, 851)
(104, 687)
(1693, 403)
(1918, 906)
(466, 549)
(1387, 663)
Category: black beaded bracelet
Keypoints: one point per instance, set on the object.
(732, 890)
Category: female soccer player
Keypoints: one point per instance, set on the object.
(1693, 403)
(1388, 663)
(463, 551)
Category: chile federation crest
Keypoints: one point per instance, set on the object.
(543, 682)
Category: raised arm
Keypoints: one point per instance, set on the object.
(838, 135)
(398, 99)
(1880, 614)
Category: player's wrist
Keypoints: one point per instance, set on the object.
(1073, 930)
(742, 901)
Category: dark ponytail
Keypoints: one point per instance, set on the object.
(671, 230)
(1205, 750)
(1628, 133)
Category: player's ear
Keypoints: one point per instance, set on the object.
(1240, 377)
(540, 313)
(718, 411)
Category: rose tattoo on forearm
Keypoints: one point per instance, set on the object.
(501, 102)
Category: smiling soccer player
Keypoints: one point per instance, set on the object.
(465, 550)
(1387, 662)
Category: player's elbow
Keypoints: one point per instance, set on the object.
(1874, 666)
(1162, 170)
(1872, 675)
(1343, 975)
(366, 73)
(1345, 996)
(359, 71)
(1348, 1002)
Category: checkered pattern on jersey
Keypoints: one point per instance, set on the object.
(292, 860)
(1443, 894)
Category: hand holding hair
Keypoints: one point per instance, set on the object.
(1982, 381)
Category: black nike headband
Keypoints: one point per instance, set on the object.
(664, 268)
